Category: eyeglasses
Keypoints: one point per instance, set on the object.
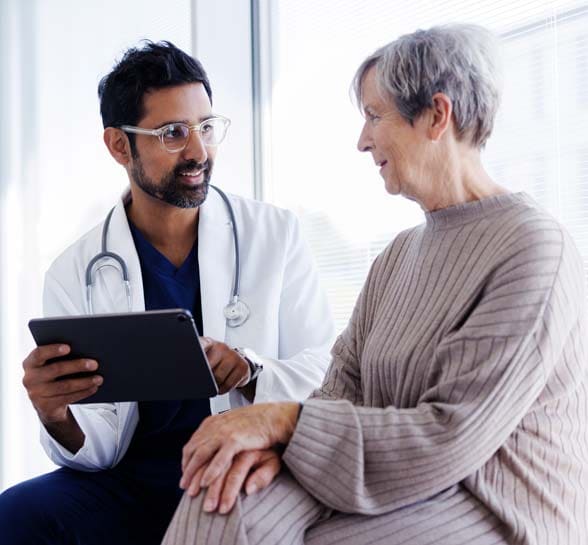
(174, 137)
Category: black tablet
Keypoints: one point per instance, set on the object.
(143, 356)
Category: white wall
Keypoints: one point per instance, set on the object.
(222, 44)
(57, 177)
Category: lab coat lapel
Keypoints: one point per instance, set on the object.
(216, 262)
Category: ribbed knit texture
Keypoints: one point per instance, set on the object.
(455, 410)
(464, 364)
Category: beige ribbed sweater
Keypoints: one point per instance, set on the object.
(455, 410)
(464, 366)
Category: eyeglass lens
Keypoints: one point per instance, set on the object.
(175, 135)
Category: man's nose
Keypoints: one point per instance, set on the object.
(195, 148)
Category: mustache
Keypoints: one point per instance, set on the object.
(191, 165)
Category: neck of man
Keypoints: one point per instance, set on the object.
(170, 229)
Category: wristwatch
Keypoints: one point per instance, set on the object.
(255, 366)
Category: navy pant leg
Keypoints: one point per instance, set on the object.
(68, 507)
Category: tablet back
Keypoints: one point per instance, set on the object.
(143, 356)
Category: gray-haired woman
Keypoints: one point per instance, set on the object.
(455, 410)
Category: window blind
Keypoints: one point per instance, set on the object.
(312, 126)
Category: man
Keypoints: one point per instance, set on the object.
(121, 462)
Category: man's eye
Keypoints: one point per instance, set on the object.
(207, 127)
(175, 132)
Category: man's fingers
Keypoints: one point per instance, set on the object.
(72, 398)
(41, 354)
(231, 381)
(78, 396)
(68, 367)
(221, 370)
(263, 475)
(228, 368)
(206, 343)
(65, 387)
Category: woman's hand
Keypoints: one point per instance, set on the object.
(251, 471)
(209, 454)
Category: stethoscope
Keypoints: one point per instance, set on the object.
(236, 312)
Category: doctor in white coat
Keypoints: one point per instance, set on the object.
(159, 125)
(289, 329)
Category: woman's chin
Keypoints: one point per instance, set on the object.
(392, 187)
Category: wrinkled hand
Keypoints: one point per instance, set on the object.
(250, 471)
(212, 450)
(229, 368)
(49, 392)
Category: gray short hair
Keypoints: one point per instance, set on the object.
(458, 60)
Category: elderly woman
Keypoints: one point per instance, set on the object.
(455, 410)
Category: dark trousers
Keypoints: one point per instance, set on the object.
(68, 507)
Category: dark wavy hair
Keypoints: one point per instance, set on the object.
(143, 69)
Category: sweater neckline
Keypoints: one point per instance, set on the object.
(459, 214)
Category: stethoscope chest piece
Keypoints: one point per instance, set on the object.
(236, 313)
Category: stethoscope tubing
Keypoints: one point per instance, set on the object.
(236, 312)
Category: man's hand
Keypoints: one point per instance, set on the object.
(210, 452)
(250, 471)
(51, 394)
(229, 368)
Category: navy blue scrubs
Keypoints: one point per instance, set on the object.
(134, 502)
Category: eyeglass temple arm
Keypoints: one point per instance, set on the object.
(139, 130)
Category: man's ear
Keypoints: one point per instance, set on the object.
(440, 120)
(118, 145)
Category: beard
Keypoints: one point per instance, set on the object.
(171, 189)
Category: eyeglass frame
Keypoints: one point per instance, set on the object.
(159, 132)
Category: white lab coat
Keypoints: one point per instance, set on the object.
(290, 326)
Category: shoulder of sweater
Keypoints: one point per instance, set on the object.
(531, 229)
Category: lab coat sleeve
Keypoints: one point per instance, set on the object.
(99, 422)
(306, 329)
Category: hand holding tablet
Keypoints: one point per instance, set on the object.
(142, 356)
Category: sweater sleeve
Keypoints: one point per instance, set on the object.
(343, 378)
(488, 370)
